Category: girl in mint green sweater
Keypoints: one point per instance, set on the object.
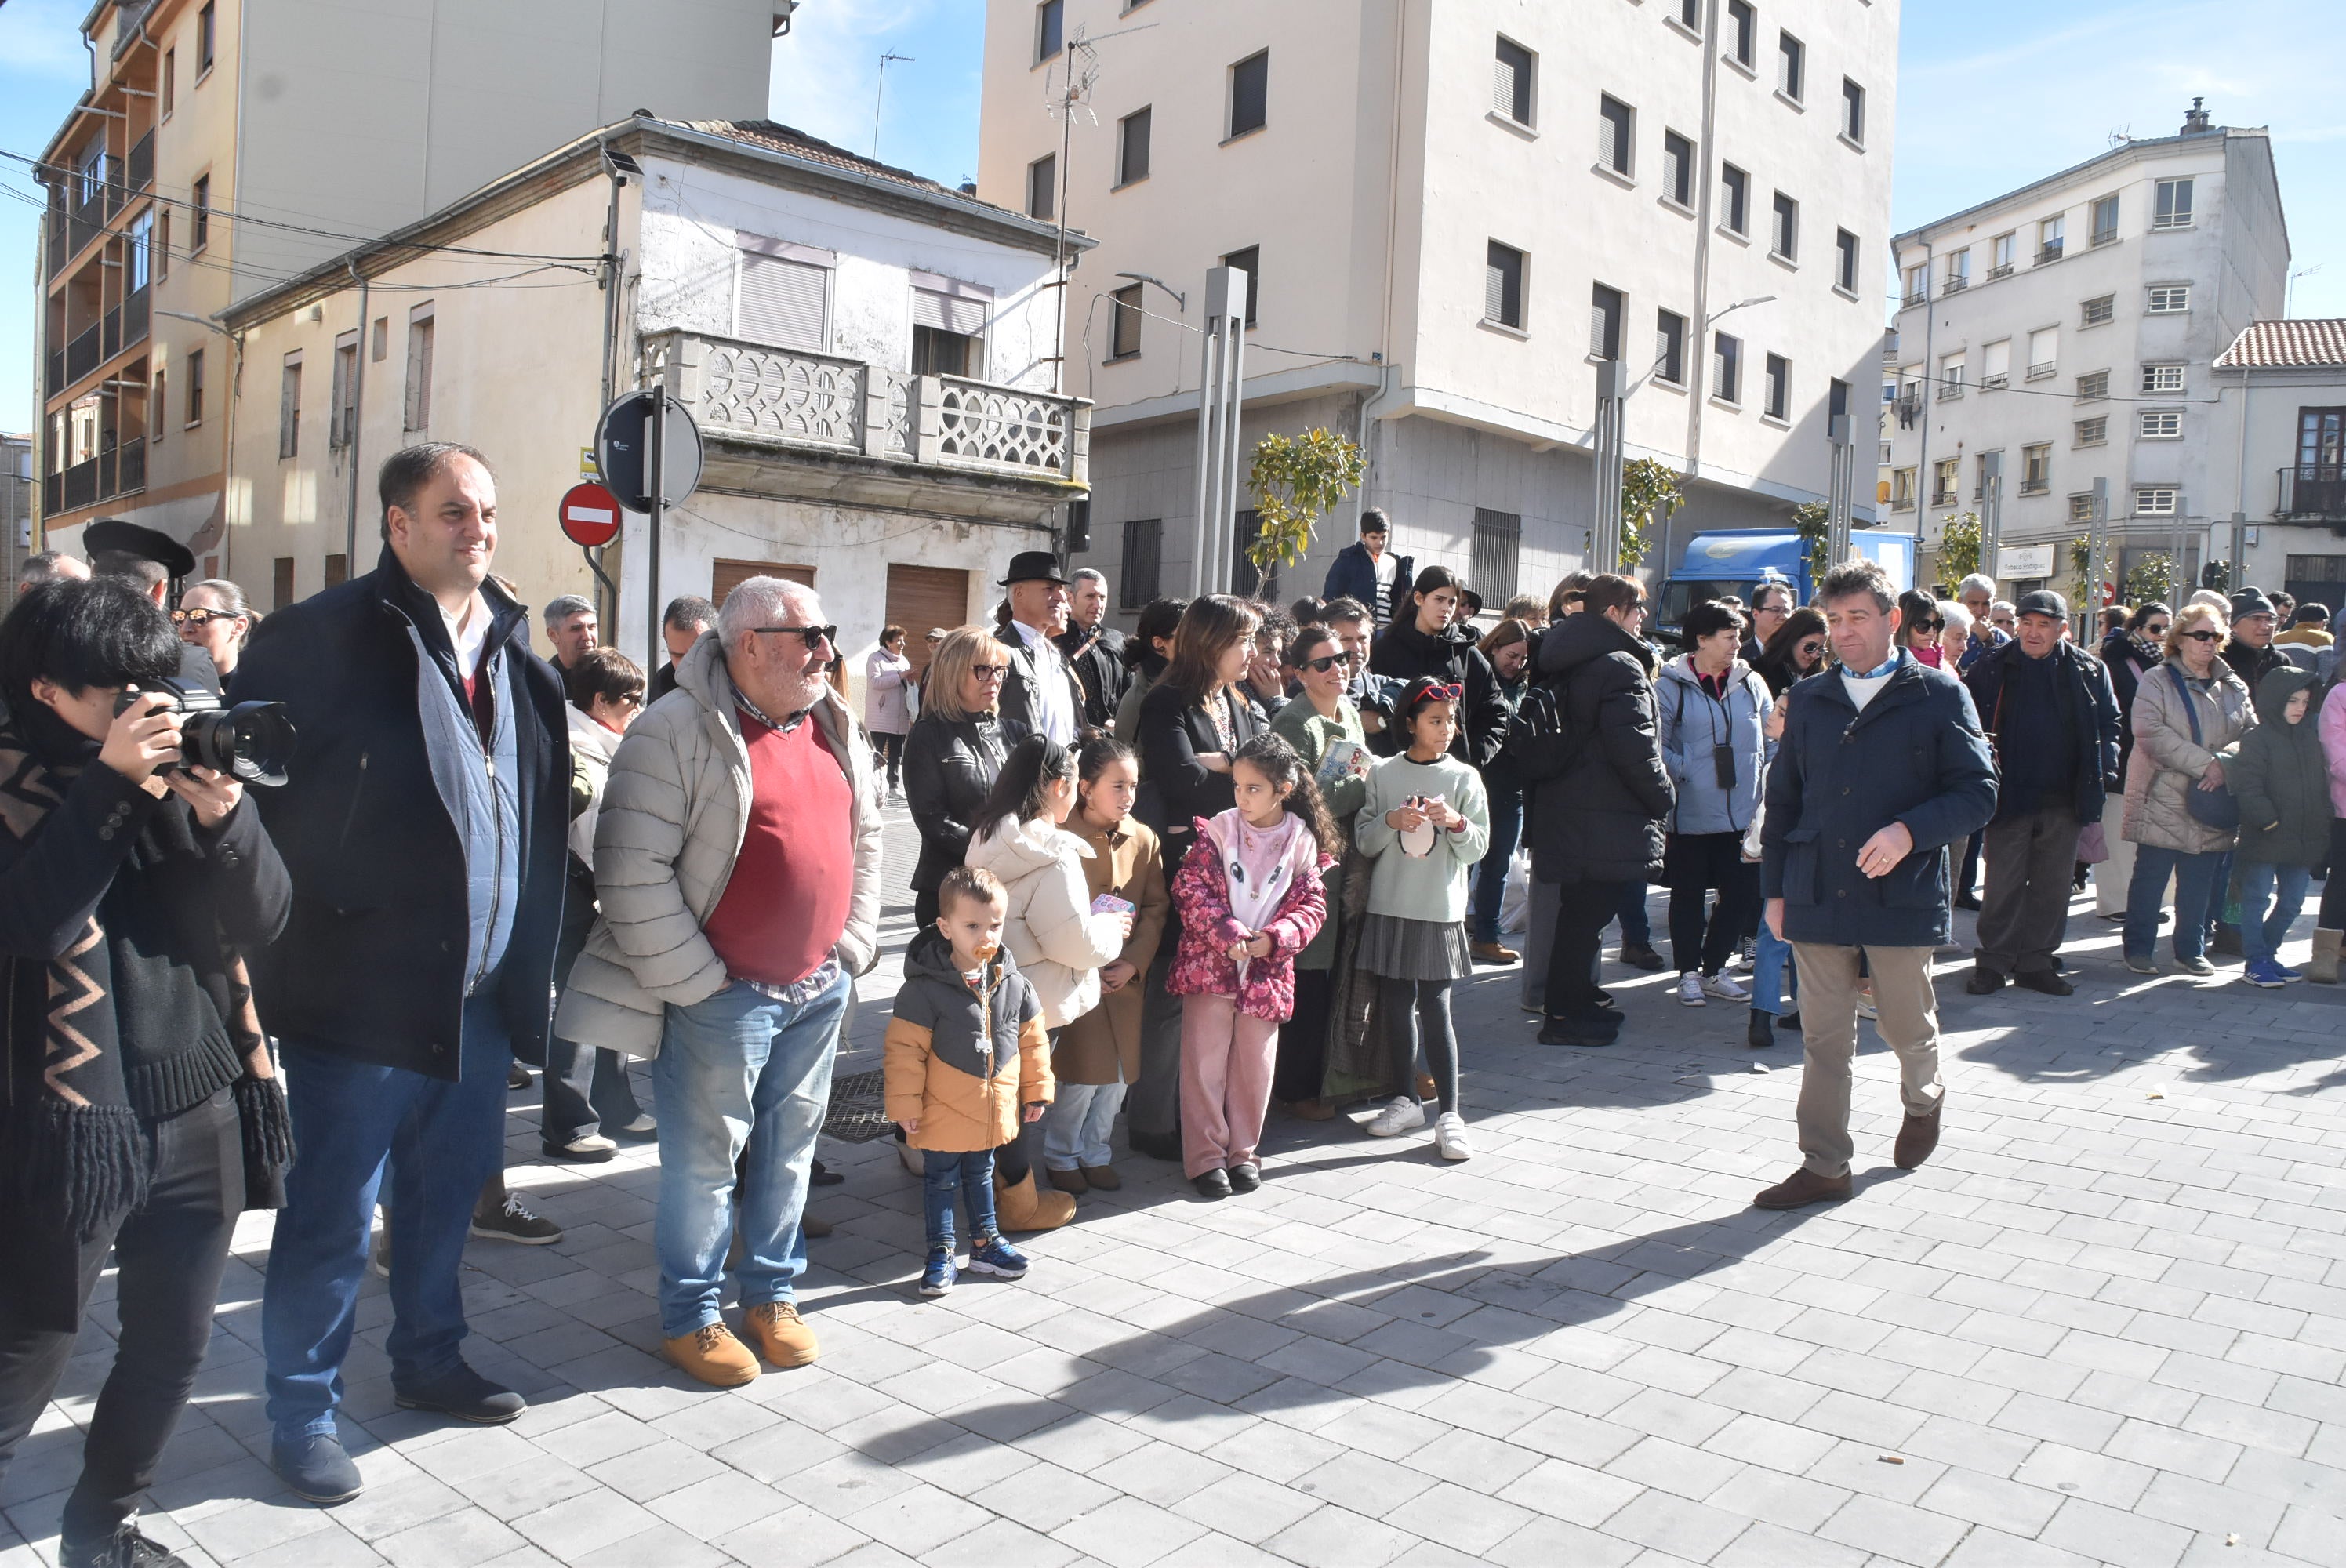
(1425, 824)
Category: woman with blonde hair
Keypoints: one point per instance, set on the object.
(952, 754)
(2189, 714)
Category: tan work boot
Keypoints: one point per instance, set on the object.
(2323, 968)
(782, 1336)
(1494, 952)
(1023, 1208)
(713, 1354)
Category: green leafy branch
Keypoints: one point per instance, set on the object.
(1297, 480)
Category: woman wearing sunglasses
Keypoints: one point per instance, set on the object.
(952, 754)
(1797, 649)
(212, 615)
(2189, 717)
(1920, 624)
(2130, 653)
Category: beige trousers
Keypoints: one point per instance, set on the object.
(1909, 1023)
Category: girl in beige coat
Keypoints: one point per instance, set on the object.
(2189, 714)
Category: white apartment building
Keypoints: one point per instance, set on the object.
(2280, 454)
(2071, 327)
(865, 354)
(1454, 212)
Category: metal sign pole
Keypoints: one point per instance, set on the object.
(1233, 403)
(657, 484)
(1209, 390)
(1836, 512)
(1991, 515)
(1607, 522)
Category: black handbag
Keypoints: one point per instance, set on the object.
(2217, 808)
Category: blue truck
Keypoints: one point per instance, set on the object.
(1717, 564)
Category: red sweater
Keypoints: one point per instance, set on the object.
(785, 906)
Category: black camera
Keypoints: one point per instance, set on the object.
(252, 741)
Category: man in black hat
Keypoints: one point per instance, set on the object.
(2053, 719)
(1041, 691)
(152, 562)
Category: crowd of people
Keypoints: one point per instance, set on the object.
(1228, 866)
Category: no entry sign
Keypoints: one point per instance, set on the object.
(590, 515)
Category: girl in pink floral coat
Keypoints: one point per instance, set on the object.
(1251, 899)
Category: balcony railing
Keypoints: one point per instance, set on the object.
(2001, 270)
(1943, 497)
(57, 372)
(135, 318)
(2313, 490)
(118, 471)
(53, 236)
(84, 353)
(2048, 255)
(794, 398)
(139, 172)
(1949, 390)
(1956, 284)
(2101, 237)
(2036, 486)
(1918, 296)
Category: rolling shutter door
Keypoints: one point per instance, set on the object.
(921, 597)
(783, 302)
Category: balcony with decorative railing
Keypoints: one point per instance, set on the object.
(794, 399)
(2312, 493)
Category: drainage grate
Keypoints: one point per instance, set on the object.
(858, 1109)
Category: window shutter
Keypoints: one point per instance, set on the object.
(783, 302)
(1494, 289)
(948, 312)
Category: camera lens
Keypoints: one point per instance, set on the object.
(252, 741)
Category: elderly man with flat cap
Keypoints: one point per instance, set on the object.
(152, 562)
(1041, 690)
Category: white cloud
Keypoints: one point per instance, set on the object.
(827, 68)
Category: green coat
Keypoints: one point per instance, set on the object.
(1301, 727)
(2281, 779)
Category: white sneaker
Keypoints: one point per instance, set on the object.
(1401, 1114)
(1691, 989)
(1450, 1136)
(1865, 1008)
(1723, 987)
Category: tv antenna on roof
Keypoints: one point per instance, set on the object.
(879, 93)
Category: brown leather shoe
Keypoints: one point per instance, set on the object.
(1917, 1136)
(1102, 1178)
(781, 1335)
(1803, 1188)
(714, 1356)
(1073, 1183)
(1312, 1111)
(813, 1226)
(1494, 952)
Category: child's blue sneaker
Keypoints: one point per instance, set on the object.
(938, 1277)
(2265, 973)
(2287, 974)
(996, 1256)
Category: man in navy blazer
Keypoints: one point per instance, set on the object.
(1882, 766)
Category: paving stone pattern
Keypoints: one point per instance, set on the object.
(2105, 1325)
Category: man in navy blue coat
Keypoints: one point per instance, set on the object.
(1882, 766)
(1368, 572)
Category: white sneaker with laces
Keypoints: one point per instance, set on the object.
(1450, 1136)
(1723, 987)
(1400, 1114)
(1691, 989)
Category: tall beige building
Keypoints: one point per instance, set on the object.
(225, 146)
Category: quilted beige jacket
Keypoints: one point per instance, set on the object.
(671, 824)
(2165, 763)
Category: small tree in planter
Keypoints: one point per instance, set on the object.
(1649, 491)
(2153, 578)
(1297, 480)
(1961, 541)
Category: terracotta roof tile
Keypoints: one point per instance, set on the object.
(2278, 345)
(781, 138)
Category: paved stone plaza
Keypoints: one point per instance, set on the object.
(2106, 1324)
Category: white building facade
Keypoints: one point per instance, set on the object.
(2070, 331)
(1454, 212)
(2280, 452)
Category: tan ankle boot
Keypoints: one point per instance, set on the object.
(1024, 1208)
(2323, 969)
(714, 1356)
(781, 1335)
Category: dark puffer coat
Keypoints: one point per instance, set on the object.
(2282, 777)
(1587, 740)
(1404, 653)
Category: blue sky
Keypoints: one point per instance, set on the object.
(1993, 94)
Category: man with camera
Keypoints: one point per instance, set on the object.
(141, 1114)
(423, 829)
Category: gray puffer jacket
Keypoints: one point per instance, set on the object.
(665, 843)
(1693, 722)
(2166, 761)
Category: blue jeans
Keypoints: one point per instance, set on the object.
(2197, 889)
(740, 1080)
(1771, 970)
(1637, 929)
(1076, 1128)
(2260, 934)
(441, 1141)
(973, 1175)
(1491, 871)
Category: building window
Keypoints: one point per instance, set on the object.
(1605, 308)
(2321, 440)
(2049, 231)
(380, 344)
(1251, 94)
(2156, 501)
(2162, 378)
(2095, 431)
(1616, 132)
(1845, 249)
(1727, 367)
(417, 411)
(1132, 147)
(1778, 404)
(207, 36)
(200, 217)
(1958, 270)
(1852, 111)
(169, 81)
(2169, 299)
(2105, 229)
(2093, 388)
(1511, 82)
(2173, 207)
(1999, 253)
(1502, 286)
(289, 408)
(1248, 262)
(194, 378)
(2044, 351)
(1124, 324)
(948, 322)
(2160, 424)
(1744, 24)
(2094, 312)
(1144, 544)
(1918, 284)
(1249, 581)
(1951, 376)
(344, 414)
(163, 245)
(1786, 241)
(1050, 26)
(1946, 482)
(1497, 556)
(2037, 469)
(1902, 490)
(1738, 191)
(1677, 168)
(1690, 14)
(783, 301)
(1042, 188)
(2081, 507)
(1792, 66)
(1995, 363)
(159, 395)
(139, 255)
(1669, 347)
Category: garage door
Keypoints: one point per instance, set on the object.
(921, 597)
